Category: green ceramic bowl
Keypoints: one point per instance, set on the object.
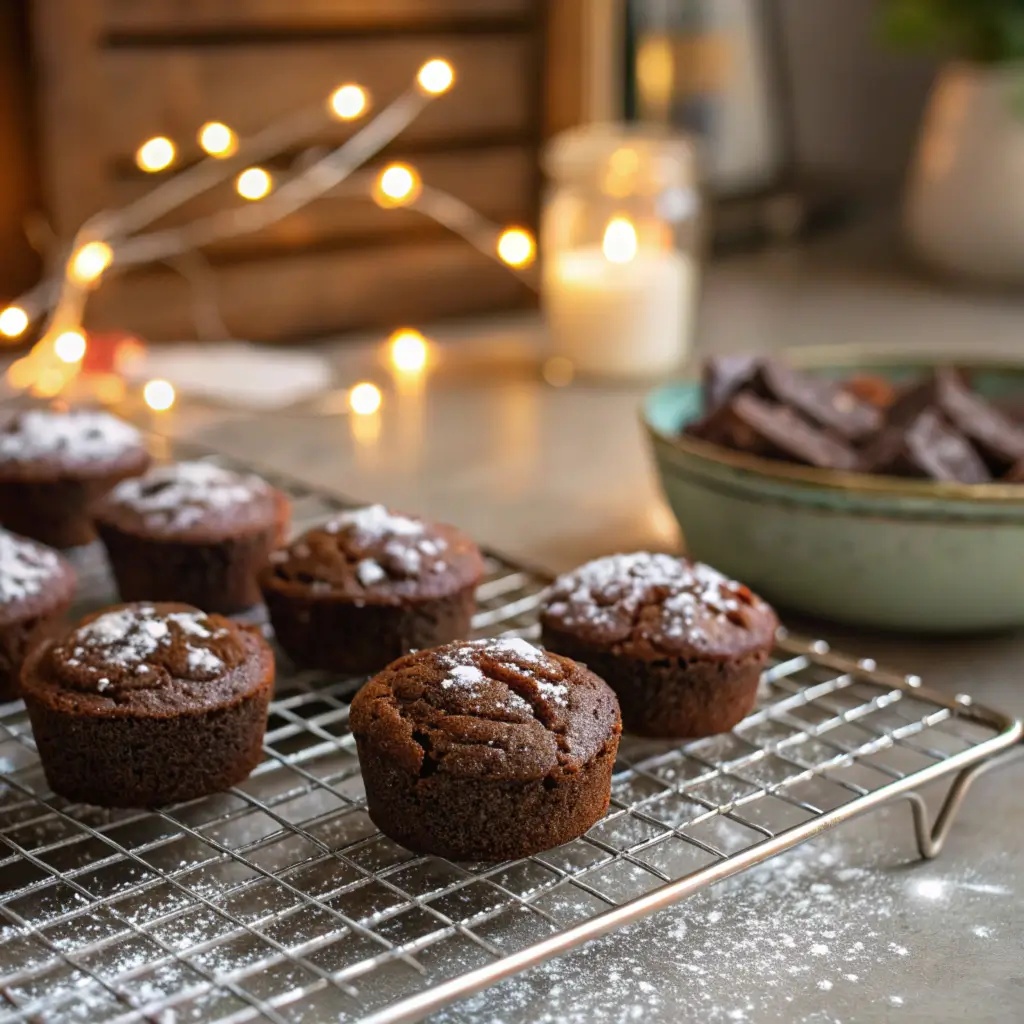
(866, 550)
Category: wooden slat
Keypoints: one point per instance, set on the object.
(219, 15)
(317, 293)
(498, 183)
(71, 99)
(173, 92)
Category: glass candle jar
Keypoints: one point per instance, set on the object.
(620, 240)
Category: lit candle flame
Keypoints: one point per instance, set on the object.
(620, 243)
(516, 248)
(89, 263)
(155, 154)
(70, 346)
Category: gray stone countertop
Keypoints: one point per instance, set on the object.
(851, 927)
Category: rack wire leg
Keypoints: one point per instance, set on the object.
(931, 838)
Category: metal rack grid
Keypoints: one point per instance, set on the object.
(279, 900)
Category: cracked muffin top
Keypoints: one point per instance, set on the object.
(193, 500)
(152, 659)
(501, 710)
(372, 555)
(654, 605)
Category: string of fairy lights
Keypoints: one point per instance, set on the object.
(115, 240)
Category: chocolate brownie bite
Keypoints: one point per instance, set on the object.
(368, 587)
(148, 704)
(55, 466)
(485, 750)
(192, 532)
(36, 589)
(680, 644)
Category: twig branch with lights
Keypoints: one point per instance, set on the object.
(113, 240)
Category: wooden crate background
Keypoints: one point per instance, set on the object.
(113, 73)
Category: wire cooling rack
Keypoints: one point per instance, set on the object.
(279, 900)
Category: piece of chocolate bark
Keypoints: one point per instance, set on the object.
(823, 402)
(926, 446)
(751, 424)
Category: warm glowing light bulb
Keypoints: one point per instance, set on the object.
(436, 76)
(70, 346)
(397, 185)
(364, 399)
(155, 154)
(218, 139)
(88, 264)
(348, 102)
(13, 322)
(516, 248)
(254, 183)
(620, 243)
(158, 395)
(408, 351)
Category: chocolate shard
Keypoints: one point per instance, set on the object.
(1000, 440)
(823, 402)
(723, 376)
(926, 447)
(751, 424)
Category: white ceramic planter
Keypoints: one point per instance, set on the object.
(965, 202)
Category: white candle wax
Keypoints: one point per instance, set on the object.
(628, 319)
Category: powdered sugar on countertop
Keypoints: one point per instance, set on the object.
(25, 567)
(806, 938)
(78, 436)
(180, 494)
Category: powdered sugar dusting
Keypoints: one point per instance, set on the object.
(609, 592)
(463, 670)
(25, 567)
(401, 544)
(181, 494)
(78, 436)
(127, 638)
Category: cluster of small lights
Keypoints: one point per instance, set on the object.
(156, 154)
(364, 399)
(88, 264)
(254, 183)
(159, 395)
(397, 185)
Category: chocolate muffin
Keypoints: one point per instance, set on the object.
(682, 646)
(54, 466)
(36, 588)
(192, 532)
(485, 750)
(146, 704)
(370, 586)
